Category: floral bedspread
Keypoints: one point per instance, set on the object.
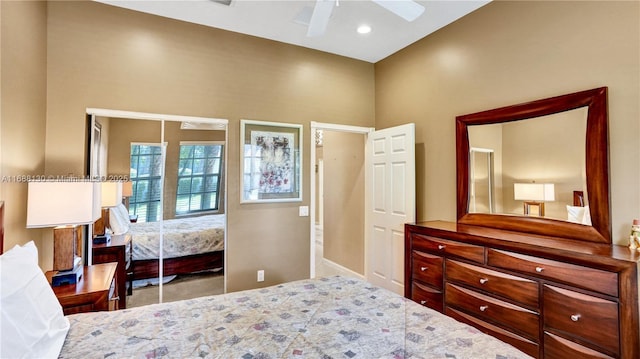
(334, 317)
(182, 236)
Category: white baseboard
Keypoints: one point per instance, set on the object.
(341, 268)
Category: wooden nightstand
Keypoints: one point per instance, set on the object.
(96, 290)
(118, 250)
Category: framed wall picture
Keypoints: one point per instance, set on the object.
(271, 157)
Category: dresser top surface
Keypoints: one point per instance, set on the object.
(96, 278)
(116, 240)
(520, 241)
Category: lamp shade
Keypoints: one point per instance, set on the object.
(541, 192)
(127, 189)
(52, 204)
(111, 194)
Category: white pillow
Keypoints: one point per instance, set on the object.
(123, 211)
(32, 324)
(577, 214)
(118, 223)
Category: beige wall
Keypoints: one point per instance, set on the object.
(545, 150)
(504, 53)
(343, 230)
(23, 112)
(548, 149)
(507, 53)
(125, 131)
(105, 57)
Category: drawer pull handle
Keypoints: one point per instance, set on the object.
(423, 302)
(483, 280)
(441, 246)
(483, 308)
(423, 268)
(575, 317)
(539, 269)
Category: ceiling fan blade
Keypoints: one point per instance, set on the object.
(406, 9)
(320, 17)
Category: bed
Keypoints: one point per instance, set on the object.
(191, 244)
(332, 317)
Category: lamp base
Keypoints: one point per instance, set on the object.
(532, 208)
(67, 277)
(67, 244)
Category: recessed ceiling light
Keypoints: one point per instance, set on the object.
(364, 29)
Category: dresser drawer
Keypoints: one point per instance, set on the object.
(426, 296)
(559, 348)
(584, 277)
(449, 248)
(518, 289)
(586, 317)
(517, 318)
(427, 268)
(529, 347)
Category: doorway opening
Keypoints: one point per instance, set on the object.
(337, 200)
(373, 200)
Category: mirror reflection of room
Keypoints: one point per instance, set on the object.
(530, 167)
(175, 171)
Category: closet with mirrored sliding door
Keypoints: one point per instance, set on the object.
(167, 231)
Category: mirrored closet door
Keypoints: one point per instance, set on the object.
(168, 230)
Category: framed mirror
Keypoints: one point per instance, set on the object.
(549, 153)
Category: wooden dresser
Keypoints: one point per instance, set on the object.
(118, 250)
(547, 296)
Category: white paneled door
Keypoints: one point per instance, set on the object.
(390, 203)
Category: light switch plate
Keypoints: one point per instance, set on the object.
(303, 211)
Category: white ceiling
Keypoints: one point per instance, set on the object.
(274, 19)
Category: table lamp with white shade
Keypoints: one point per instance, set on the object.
(127, 191)
(111, 194)
(65, 206)
(534, 195)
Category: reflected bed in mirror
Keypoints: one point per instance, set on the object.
(519, 167)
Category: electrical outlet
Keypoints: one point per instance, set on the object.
(261, 275)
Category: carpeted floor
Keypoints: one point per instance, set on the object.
(198, 285)
(183, 287)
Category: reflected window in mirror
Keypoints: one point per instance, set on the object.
(146, 177)
(199, 175)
